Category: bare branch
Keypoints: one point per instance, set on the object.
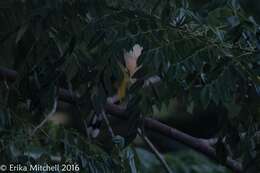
(7, 74)
(197, 144)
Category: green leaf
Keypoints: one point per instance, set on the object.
(205, 96)
(233, 109)
(21, 32)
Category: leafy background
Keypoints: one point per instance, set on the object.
(207, 53)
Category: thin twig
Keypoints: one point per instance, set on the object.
(155, 151)
(52, 112)
(104, 116)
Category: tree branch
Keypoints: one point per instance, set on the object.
(197, 144)
(155, 151)
(8, 75)
(149, 123)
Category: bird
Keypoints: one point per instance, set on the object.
(131, 66)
